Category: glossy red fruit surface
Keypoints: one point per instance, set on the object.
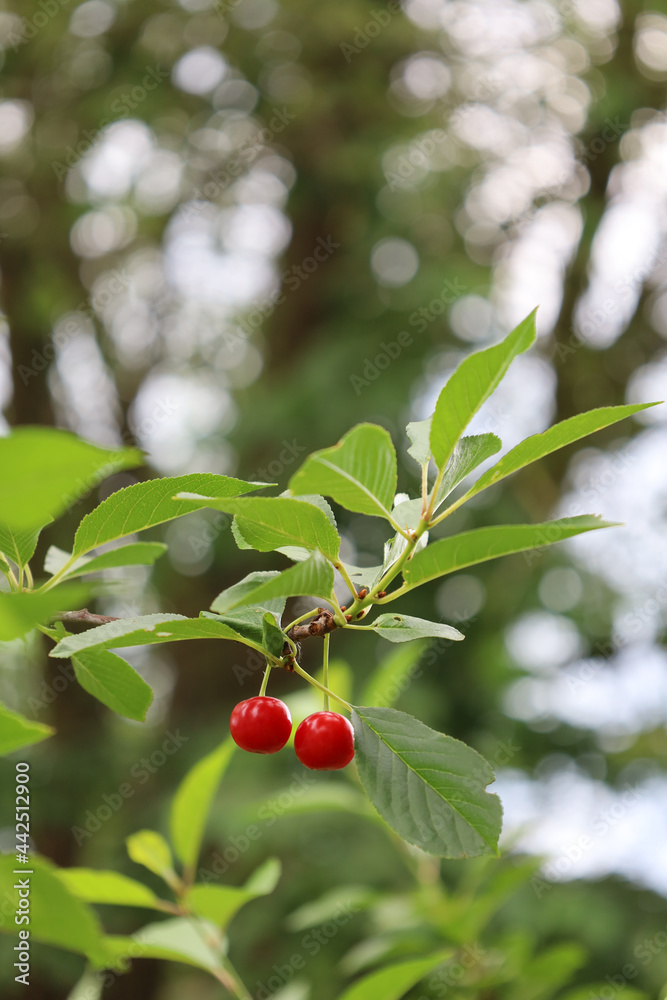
(261, 725)
(325, 741)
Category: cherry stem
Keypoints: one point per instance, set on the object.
(325, 690)
(265, 680)
(325, 671)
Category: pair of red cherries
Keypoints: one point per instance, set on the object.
(323, 742)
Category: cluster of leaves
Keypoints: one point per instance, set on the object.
(199, 914)
(427, 786)
(425, 933)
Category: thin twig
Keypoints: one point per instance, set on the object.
(84, 616)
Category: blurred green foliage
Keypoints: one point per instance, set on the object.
(98, 250)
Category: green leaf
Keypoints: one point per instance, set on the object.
(143, 505)
(294, 552)
(150, 849)
(134, 554)
(238, 537)
(470, 547)
(471, 385)
(317, 501)
(359, 472)
(219, 903)
(192, 802)
(363, 576)
(114, 682)
(107, 887)
(394, 981)
(407, 515)
(467, 455)
(392, 675)
(403, 628)
(427, 786)
(419, 433)
(329, 906)
(248, 622)
(269, 522)
(235, 596)
(545, 973)
(19, 546)
(44, 471)
(57, 917)
(558, 436)
(16, 731)
(181, 939)
(306, 796)
(145, 631)
(312, 578)
(21, 612)
(273, 638)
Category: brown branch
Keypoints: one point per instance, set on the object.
(85, 617)
(323, 624)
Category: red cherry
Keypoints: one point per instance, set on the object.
(261, 725)
(325, 741)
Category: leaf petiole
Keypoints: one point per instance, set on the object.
(57, 577)
(302, 618)
(8, 573)
(346, 577)
(424, 488)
